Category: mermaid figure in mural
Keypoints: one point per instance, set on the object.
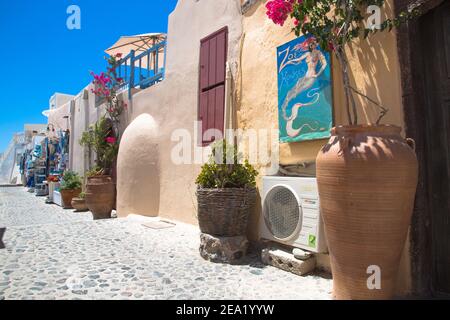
(312, 58)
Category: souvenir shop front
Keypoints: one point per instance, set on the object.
(43, 163)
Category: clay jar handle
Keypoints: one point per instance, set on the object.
(410, 142)
(345, 143)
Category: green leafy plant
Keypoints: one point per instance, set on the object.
(333, 25)
(71, 181)
(101, 139)
(225, 170)
(82, 195)
(95, 171)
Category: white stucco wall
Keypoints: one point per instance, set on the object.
(83, 112)
(59, 99)
(56, 116)
(173, 102)
(80, 108)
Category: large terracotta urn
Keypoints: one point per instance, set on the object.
(100, 196)
(367, 177)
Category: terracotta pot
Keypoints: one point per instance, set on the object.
(100, 196)
(67, 196)
(367, 177)
(79, 205)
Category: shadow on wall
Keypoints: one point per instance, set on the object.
(374, 70)
(138, 180)
(254, 219)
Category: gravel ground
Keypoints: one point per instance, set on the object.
(52, 253)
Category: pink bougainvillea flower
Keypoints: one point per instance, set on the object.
(119, 80)
(278, 10)
(102, 79)
(111, 140)
(119, 55)
(296, 22)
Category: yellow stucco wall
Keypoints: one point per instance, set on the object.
(374, 70)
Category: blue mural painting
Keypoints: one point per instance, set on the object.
(304, 91)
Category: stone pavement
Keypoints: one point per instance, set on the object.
(53, 253)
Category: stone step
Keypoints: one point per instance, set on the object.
(286, 261)
(229, 250)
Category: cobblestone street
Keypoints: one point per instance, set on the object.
(53, 253)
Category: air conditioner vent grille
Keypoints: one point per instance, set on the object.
(281, 212)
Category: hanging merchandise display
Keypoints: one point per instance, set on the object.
(29, 171)
(30, 164)
(41, 166)
(57, 163)
(44, 161)
(63, 151)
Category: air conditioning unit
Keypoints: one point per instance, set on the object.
(291, 213)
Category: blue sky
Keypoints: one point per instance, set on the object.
(40, 56)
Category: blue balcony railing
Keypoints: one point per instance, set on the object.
(143, 70)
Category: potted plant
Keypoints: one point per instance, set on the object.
(226, 192)
(103, 137)
(367, 174)
(70, 187)
(100, 187)
(79, 203)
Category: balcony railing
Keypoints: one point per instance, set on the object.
(142, 70)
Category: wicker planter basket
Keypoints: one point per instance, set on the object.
(224, 212)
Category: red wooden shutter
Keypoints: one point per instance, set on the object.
(213, 56)
(219, 107)
(204, 66)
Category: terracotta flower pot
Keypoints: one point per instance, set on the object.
(100, 196)
(67, 196)
(79, 204)
(367, 177)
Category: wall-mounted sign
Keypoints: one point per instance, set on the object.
(304, 91)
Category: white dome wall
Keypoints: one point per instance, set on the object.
(138, 185)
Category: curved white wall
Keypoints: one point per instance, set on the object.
(138, 185)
